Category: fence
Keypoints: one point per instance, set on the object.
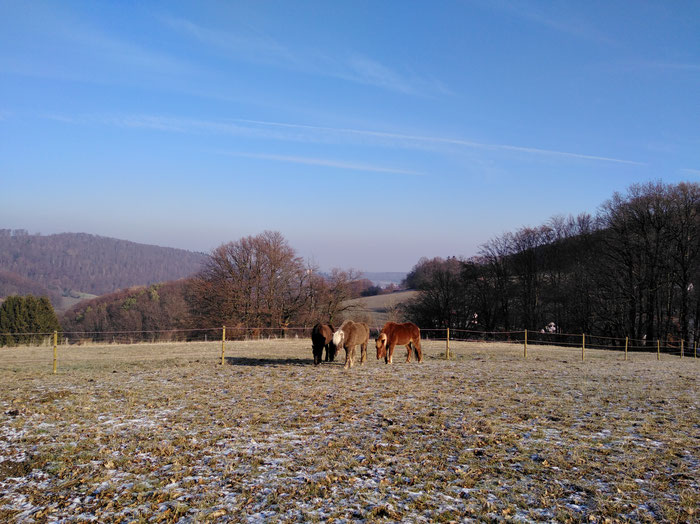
(525, 339)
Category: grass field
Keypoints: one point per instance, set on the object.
(162, 432)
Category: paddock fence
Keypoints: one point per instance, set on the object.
(439, 343)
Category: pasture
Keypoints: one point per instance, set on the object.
(162, 432)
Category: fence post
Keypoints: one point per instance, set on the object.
(447, 345)
(696, 349)
(658, 349)
(525, 345)
(223, 344)
(681, 348)
(583, 347)
(55, 350)
(627, 340)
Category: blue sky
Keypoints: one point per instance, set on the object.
(368, 133)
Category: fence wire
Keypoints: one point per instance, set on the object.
(234, 333)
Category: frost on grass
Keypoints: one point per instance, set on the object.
(270, 437)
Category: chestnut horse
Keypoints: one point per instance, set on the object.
(349, 335)
(322, 338)
(393, 334)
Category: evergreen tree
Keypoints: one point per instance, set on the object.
(26, 319)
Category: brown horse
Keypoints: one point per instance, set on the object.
(350, 335)
(322, 338)
(394, 334)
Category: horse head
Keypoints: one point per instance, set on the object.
(381, 345)
(338, 338)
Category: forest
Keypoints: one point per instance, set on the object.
(630, 270)
(255, 282)
(53, 265)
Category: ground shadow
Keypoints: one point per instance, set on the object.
(249, 361)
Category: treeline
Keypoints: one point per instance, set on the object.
(14, 284)
(631, 270)
(255, 282)
(156, 308)
(86, 263)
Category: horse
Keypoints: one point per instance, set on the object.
(394, 334)
(349, 335)
(322, 337)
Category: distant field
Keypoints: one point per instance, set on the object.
(67, 302)
(378, 308)
(129, 432)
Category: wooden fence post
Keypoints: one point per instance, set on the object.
(223, 344)
(696, 349)
(682, 348)
(447, 345)
(583, 347)
(525, 345)
(627, 340)
(55, 350)
(658, 349)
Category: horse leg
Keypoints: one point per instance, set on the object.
(408, 352)
(363, 353)
(348, 356)
(418, 350)
(390, 353)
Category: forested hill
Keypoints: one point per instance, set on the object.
(78, 262)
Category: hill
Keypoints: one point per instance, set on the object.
(158, 307)
(379, 309)
(384, 278)
(74, 264)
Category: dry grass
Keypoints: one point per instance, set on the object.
(164, 433)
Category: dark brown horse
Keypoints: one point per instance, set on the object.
(322, 338)
(393, 334)
(349, 335)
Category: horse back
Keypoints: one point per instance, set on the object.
(355, 332)
(401, 334)
(322, 334)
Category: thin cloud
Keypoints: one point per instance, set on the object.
(672, 66)
(262, 49)
(577, 28)
(323, 162)
(67, 47)
(280, 131)
(449, 141)
(695, 172)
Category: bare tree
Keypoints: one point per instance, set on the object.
(256, 281)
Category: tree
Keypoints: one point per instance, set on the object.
(26, 319)
(331, 295)
(257, 281)
(636, 270)
(441, 301)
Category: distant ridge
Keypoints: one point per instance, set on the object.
(384, 278)
(67, 263)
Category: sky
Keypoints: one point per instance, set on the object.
(370, 134)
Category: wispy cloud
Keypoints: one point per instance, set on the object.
(562, 23)
(447, 141)
(311, 133)
(254, 46)
(671, 66)
(695, 172)
(56, 43)
(323, 162)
